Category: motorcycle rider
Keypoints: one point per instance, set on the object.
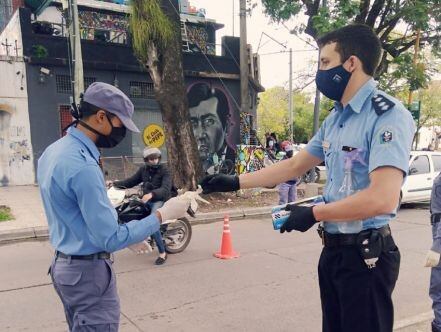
(156, 189)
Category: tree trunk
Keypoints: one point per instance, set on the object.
(166, 70)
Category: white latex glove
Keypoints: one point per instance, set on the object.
(141, 247)
(432, 258)
(195, 196)
(175, 208)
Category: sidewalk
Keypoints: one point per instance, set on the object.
(30, 220)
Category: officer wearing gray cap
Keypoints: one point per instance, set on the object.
(83, 225)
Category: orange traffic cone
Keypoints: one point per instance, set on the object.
(226, 251)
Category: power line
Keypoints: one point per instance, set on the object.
(303, 40)
(295, 51)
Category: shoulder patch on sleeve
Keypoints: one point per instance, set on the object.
(83, 153)
(87, 156)
(381, 104)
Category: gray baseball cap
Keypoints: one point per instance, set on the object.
(112, 100)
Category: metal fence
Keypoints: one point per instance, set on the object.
(120, 167)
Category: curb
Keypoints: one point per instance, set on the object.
(42, 232)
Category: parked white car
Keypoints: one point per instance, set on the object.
(424, 166)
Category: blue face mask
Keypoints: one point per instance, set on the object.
(332, 82)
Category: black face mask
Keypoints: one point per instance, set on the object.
(150, 165)
(107, 141)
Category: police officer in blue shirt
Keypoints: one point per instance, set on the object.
(434, 254)
(83, 225)
(358, 269)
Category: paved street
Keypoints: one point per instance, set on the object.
(271, 287)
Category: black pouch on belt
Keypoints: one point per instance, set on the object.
(370, 246)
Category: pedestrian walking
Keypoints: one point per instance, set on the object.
(365, 143)
(287, 189)
(83, 226)
(156, 189)
(434, 254)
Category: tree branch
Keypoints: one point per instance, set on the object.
(385, 12)
(390, 28)
(374, 12)
(312, 9)
(364, 9)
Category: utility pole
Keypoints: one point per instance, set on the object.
(244, 75)
(234, 15)
(75, 50)
(415, 60)
(410, 99)
(291, 115)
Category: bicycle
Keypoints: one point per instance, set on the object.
(221, 166)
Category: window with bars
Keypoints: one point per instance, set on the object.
(64, 84)
(88, 81)
(141, 90)
(65, 118)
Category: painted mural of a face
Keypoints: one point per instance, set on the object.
(208, 115)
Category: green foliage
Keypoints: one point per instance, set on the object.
(273, 115)
(281, 10)
(334, 17)
(430, 104)
(395, 21)
(39, 51)
(5, 213)
(149, 25)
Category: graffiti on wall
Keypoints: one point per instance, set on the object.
(14, 146)
(198, 40)
(106, 27)
(214, 120)
(19, 152)
(245, 128)
(249, 158)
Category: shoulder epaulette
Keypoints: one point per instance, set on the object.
(382, 104)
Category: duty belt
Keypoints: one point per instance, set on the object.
(335, 240)
(100, 255)
(435, 218)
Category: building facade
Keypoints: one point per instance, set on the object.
(35, 108)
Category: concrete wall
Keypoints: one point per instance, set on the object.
(46, 101)
(16, 158)
(12, 33)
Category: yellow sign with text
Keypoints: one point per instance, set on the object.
(153, 136)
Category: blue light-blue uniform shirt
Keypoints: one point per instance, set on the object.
(376, 124)
(81, 219)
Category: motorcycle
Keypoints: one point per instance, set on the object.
(175, 233)
(312, 176)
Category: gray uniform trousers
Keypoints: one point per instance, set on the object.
(87, 289)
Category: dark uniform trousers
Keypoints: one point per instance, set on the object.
(355, 298)
(87, 289)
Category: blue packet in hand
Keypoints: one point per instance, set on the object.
(279, 215)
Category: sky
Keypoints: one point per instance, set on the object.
(274, 68)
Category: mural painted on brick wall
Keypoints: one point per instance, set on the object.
(215, 126)
(249, 158)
